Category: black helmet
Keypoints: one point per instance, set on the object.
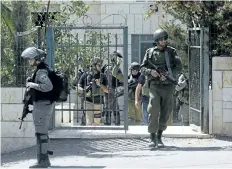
(135, 66)
(115, 56)
(33, 53)
(160, 34)
(118, 54)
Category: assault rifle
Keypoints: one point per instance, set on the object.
(162, 72)
(131, 85)
(27, 100)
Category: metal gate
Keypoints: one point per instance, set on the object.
(198, 52)
(71, 49)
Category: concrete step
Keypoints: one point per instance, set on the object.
(133, 132)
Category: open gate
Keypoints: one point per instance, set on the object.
(198, 52)
(72, 48)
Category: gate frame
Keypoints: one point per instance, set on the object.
(50, 59)
(204, 77)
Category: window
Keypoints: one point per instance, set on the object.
(139, 45)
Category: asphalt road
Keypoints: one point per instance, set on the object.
(129, 153)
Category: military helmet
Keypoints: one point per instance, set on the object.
(115, 56)
(95, 60)
(34, 53)
(135, 66)
(160, 34)
(118, 54)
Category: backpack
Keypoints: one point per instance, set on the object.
(60, 84)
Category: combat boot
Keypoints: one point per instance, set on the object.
(108, 119)
(117, 119)
(159, 138)
(154, 140)
(42, 161)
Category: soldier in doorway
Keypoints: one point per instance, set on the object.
(94, 86)
(161, 88)
(134, 115)
(111, 102)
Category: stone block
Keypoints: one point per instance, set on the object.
(227, 129)
(138, 24)
(227, 116)
(217, 95)
(222, 63)
(146, 26)
(12, 95)
(217, 85)
(11, 112)
(103, 8)
(217, 124)
(155, 22)
(227, 105)
(11, 129)
(106, 19)
(13, 144)
(227, 94)
(120, 20)
(227, 79)
(138, 8)
(131, 24)
(117, 8)
(217, 108)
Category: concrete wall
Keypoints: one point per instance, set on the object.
(222, 96)
(13, 138)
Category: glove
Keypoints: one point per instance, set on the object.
(88, 94)
(31, 85)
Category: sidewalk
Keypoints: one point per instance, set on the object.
(133, 132)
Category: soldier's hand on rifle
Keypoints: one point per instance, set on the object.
(88, 94)
(98, 83)
(155, 73)
(31, 85)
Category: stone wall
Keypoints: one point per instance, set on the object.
(13, 138)
(222, 96)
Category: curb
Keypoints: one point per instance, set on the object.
(128, 136)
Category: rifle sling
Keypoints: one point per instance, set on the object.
(168, 62)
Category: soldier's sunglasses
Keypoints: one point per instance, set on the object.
(165, 38)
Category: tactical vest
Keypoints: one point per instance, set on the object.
(145, 88)
(157, 57)
(96, 90)
(38, 95)
(131, 91)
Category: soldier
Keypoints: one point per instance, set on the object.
(160, 86)
(111, 102)
(43, 104)
(183, 96)
(94, 85)
(142, 86)
(134, 115)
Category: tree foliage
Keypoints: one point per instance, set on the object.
(177, 39)
(217, 15)
(19, 16)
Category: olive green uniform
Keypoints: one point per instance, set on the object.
(160, 92)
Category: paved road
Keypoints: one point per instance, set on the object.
(129, 153)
